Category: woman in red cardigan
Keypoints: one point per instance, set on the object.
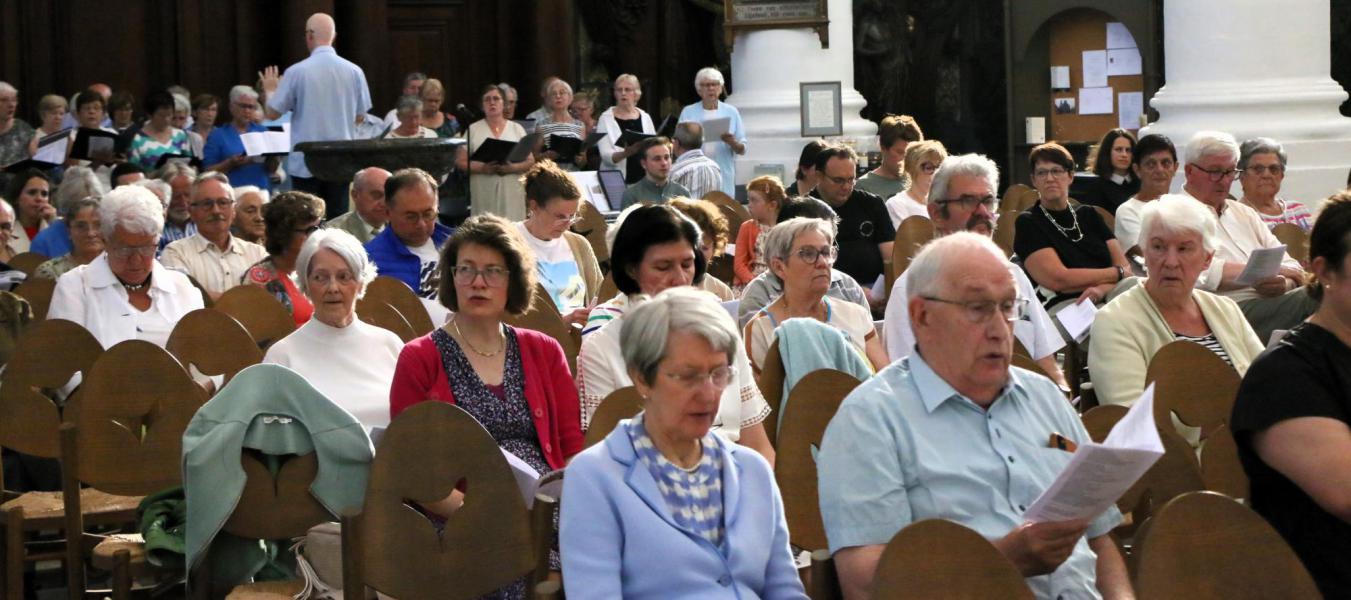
(514, 381)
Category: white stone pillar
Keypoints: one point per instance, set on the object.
(1255, 68)
(767, 67)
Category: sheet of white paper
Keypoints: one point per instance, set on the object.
(1130, 106)
(1060, 77)
(589, 183)
(1095, 68)
(730, 250)
(820, 108)
(1123, 61)
(1095, 101)
(258, 143)
(1077, 318)
(527, 478)
(879, 288)
(714, 128)
(1262, 263)
(1099, 474)
(54, 152)
(1036, 130)
(1119, 37)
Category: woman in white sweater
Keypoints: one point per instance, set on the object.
(350, 362)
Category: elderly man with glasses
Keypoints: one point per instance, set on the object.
(954, 432)
(1277, 302)
(213, 256)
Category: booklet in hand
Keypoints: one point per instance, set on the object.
(29, 163)
(95, 144)
(493, 150)
(266, 143)
(631, 137)
(186, 159)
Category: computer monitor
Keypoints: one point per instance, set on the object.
(612, 183)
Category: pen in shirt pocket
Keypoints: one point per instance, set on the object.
(1062, 443)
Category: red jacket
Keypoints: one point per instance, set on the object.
(549, 389)
(745, 252)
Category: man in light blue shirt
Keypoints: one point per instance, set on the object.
(954, 432)
(327, 95)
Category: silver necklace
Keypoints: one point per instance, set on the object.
(1062, 230)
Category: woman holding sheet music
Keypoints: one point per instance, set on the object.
(559, 123)
(495, 188)
(623, 116)
(158, 137)
(709, 83)
(224, 150)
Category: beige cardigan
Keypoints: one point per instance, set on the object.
(1130, 329)
(586, 264)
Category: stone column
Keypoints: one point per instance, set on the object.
(767, 67)
(1253, 68)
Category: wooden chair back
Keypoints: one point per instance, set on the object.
(1004, 229)
(38, 293)
(771, 387)
(1198, 387)
(735, 212)
(1016, 198)
(1100, 420)
(485, 545)
(1022, 361)
(722, 268)
(27, 262)
(47, 355)
(937, 558)
(608, 289)
(1107, 217)
(913, 234)
(214, 342)
(591, 225)
(1206, 545)
(262, 316)
(382, 315)
(543, 316)
(623, 403)
(16, 314)
(812, 404)
(396, 293)
(1296, 240)
(279, 506)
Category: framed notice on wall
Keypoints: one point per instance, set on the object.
(775, 14)
(822, 113)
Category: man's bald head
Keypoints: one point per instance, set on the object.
(103, 90)
(319, 30)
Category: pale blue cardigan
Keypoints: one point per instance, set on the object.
(618, 539)
(719, 151)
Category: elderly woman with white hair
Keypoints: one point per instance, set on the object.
(1261, 167)
(125, 293)
(800, 252)
(708, 82)
(344, 358)
(558, 125)
(249, 224)
(1178, 237)
(663, 481)
(623, 116)
(409, 111)
(79, 183)
(224, 150)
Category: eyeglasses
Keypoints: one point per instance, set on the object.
(221, 203)
(309, 230)
(1264, 169)
(1051, 172)
(126, 252)
(970, 201)
(412, 217)
(1164, 163)
(811, 254)
(842, 180)
(719, 377)
(1217, 174)
(980, 311)
(492, 276)
(928, 167)
(323, 278)
(569, 219)
(243, 106)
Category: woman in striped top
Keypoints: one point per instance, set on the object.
(559, 123)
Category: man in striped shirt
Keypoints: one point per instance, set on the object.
(698, 173)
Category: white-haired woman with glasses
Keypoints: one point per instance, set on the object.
(125, 293)
(1261, 167)
(709, 84)
(800, 253)
(224, 149)
(664, 508)
(623, 116)
(346, 359)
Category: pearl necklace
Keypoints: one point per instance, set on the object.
(135, 287)
(454, 323)
(1063, 231)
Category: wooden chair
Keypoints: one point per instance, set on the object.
(812, 404)
(486, 545)
(396, 293)
(1296, 240)
(937, 558)
(262, 316)
(214, 342)
(591, 225)
(38, 293)
(771, 387)
(1205, 545)
(1015, 198)
(124, 439)
(27, 262)
(382, 315)
(1100, 420)
(1199, 388)
(1107, 217)
(608, 289)
(1004, 229)
(1024, 362)
(543, 316)
(913, 234)
(621, 404)
(722, 268)
(735, 212)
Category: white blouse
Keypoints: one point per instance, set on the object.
(353, 366)
(91, 296)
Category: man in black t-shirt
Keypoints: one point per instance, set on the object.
(865, 232)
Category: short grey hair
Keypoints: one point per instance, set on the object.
(73, 208)
(175, 169)
(341, 243)
(6, 88)
(631, 78)
(1176, 213)
(407, 103)
(245, 190)
(159, 188)
(1210, 143)
(925, 275)
(78, 184)
(507, 90)
(557, 81)
(133, 208)
(217, 177)
(708, 74)
(690, 134)
(240, 92)
(968, 165)
(1259, 145)
(182, 104)
(779, 241)
(646, 332)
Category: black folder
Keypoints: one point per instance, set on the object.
(28, 163)
(89, 142)
(187, 159)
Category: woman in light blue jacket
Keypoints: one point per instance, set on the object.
(663, 508)
(709, 83)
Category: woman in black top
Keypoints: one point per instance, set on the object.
(1291, 419)
(1115, 183)
(1070, 252)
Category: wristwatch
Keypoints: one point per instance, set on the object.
(1120, 273)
